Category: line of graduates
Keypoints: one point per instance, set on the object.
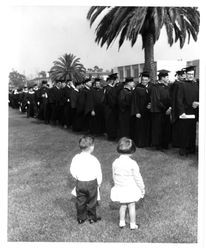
(153, 115)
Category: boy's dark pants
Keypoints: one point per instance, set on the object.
(86, 200)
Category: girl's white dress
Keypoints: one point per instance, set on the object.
(128, 182)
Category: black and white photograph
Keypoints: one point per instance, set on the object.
(105, 134)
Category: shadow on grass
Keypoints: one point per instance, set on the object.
(39, 122)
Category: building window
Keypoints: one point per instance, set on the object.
(128, 72)
(121, 74)
(136, 72)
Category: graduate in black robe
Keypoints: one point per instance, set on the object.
(95, 108)
(74, 95)
(36, 100)
(160, 111)
(176, 131)
(54, 101)
(124, 108)
(67, 105)
(15, 98)
(23, 99)
(188, 104)
(111, 92)
(62, 102)
(30, 99)
(44, 109)
(82, 118)
(140, 108)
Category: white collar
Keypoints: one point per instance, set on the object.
(86, 87)
(74, 88)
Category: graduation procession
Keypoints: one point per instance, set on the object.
(105, 124)
(160, 115)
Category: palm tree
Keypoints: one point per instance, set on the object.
(129, 22)
(67, 67)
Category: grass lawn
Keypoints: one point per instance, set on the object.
(41, 208)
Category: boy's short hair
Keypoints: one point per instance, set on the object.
(126, 146)
(85, 142)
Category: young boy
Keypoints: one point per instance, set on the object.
(86, 169)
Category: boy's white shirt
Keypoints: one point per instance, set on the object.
(86, 167)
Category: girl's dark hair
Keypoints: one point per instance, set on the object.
(86, 142)
(126, 146)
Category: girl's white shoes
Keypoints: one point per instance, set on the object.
(122, 224)
(133, 226)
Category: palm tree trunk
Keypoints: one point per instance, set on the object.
(150, 65)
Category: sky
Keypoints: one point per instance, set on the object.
(41, 34)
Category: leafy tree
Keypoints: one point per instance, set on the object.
(129, 22)
(16, 79)
(67, 67)
(42, 74)
(95, 69)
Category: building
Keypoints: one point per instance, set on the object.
(37, 80)
(102, 75)
(197, 69)
(173, 65)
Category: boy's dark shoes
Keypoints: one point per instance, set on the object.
(94, 220)
(80, 221)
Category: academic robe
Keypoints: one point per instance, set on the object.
(142, 126)
(124, 114)
(62, 103)
(23, 101)
(176, 131)
(187, 93)
(44, 109)
(95, 102)
(37, 99)
(111, 110)
(67, 106)
(73, 100)
(54, 101)
(161, 126)
(31, 107)
(82, 119)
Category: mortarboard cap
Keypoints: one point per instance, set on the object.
(97, 79)
(180, 72)
(87, 80)
(190, 68)
(144, 74)
(129, 79)
(44, 82)
(113, 76)
(69, 79)
(163, 72)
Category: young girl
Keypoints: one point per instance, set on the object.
(128, 183)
